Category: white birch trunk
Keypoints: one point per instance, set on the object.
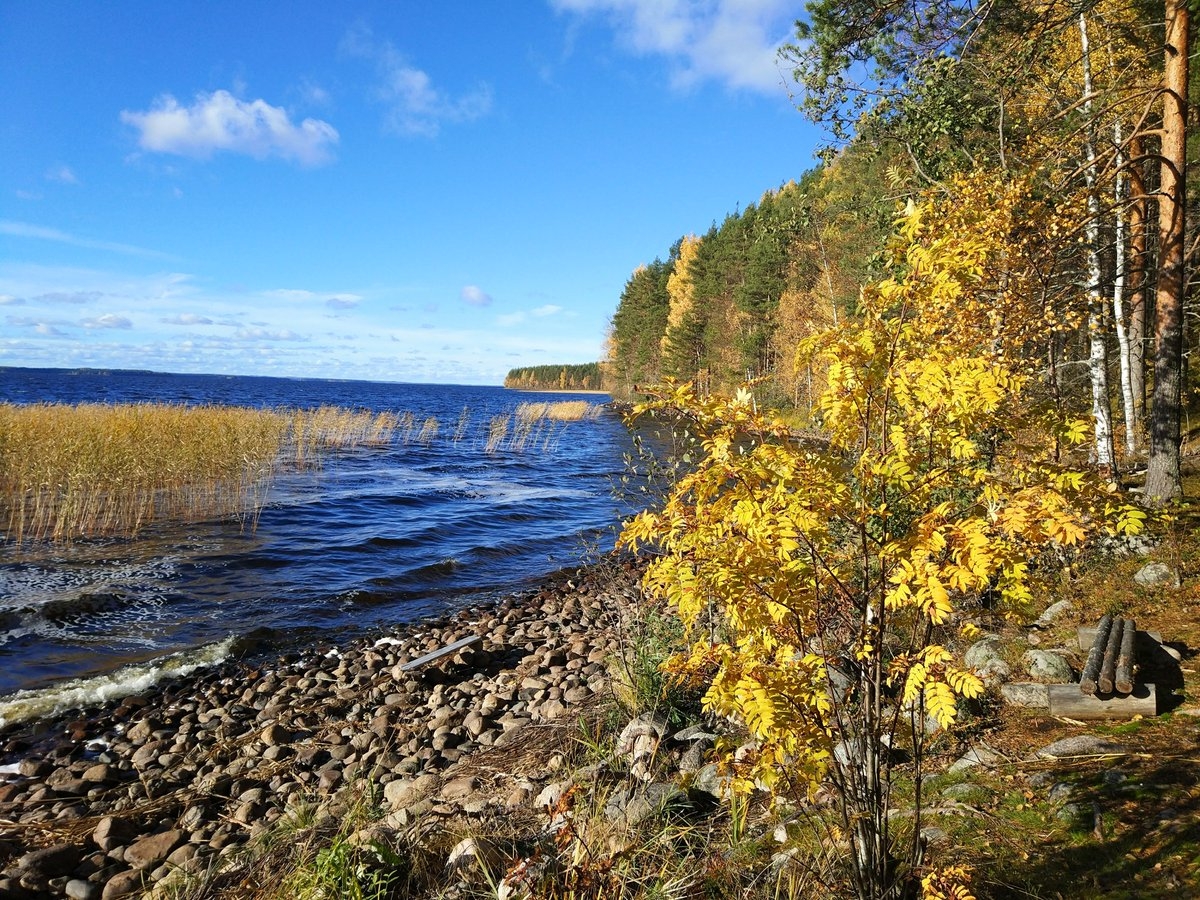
(1097, 350)
(1118, 300)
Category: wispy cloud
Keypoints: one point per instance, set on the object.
(187, 319)
(41, 233)
(343, 301)
(221, 122)
(729, 41)
(9, 300)
(475, 296)
(548, 310)
(414, 105)
(62, 174)
(108, 320)
(268, 334)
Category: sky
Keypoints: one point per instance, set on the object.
(412, 190)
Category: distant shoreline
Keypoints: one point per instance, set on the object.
(559, 391)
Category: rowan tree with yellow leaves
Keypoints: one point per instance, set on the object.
(824, 587)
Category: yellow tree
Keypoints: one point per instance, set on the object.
(681, 290)
(821, 588)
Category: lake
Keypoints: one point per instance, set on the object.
(377, 536)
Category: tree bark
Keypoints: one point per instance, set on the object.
(1097, 347)
(1136, 285)
(1163, 478)
(1118, 296)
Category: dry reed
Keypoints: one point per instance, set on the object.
(98, 469)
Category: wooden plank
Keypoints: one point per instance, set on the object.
(1068, 701)
(1091, 669)
(444, 651)
(1087, 635)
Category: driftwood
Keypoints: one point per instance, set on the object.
(440, 652)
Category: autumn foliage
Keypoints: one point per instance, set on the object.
(824, 586)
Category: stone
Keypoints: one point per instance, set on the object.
(111, 833)
(1048, 667)
(458, 789)
(97, 774)
(1025, 694)
(1157, 574)
(275, 734)
(124, 884)
(651, 725)
(641, 803)
(78, 889)
(1054, 612)
(977, 756)
(984, 657)
(965, 792)
(709, 780)
(1080, 745)
(50, 862)
(407, 791)
(551, 794)
(150, 851)
(472, 854)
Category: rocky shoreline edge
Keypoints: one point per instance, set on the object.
(147, 792)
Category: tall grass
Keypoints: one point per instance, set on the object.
(539, 424)
(93, 469)
(97, 469)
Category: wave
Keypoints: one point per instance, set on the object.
(82, 693)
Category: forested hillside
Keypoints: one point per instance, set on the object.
(581, 377)
(1052, 132)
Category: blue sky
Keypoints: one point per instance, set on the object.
(402, 191)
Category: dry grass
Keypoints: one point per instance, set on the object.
(98, 469)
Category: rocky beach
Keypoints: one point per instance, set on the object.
(175, 784)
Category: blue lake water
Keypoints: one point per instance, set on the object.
(376, 537)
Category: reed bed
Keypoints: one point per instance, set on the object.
(90, 470)
(560, 411)
(93, 469)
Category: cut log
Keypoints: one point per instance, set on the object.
(439, 653)
(1104, 684)
(1124, 672)
(1087, 635)
(1067, 701)
(1091, 669)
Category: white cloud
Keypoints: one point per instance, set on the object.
(415, 106)
(187, 319)
(343, 301)
(291, 295)
(267, 334)
(62, 174)
(507, 320)
(76, 298)
(729, 41)
(10, 300)
(40, 232)
(108, 320)
(475, 296)
(220, 121)
(548, 310)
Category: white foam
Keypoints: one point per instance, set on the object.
(86, 692)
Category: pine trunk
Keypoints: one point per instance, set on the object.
(1163, 479)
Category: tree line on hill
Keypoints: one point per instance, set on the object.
(580, 377)
(1054, 131)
